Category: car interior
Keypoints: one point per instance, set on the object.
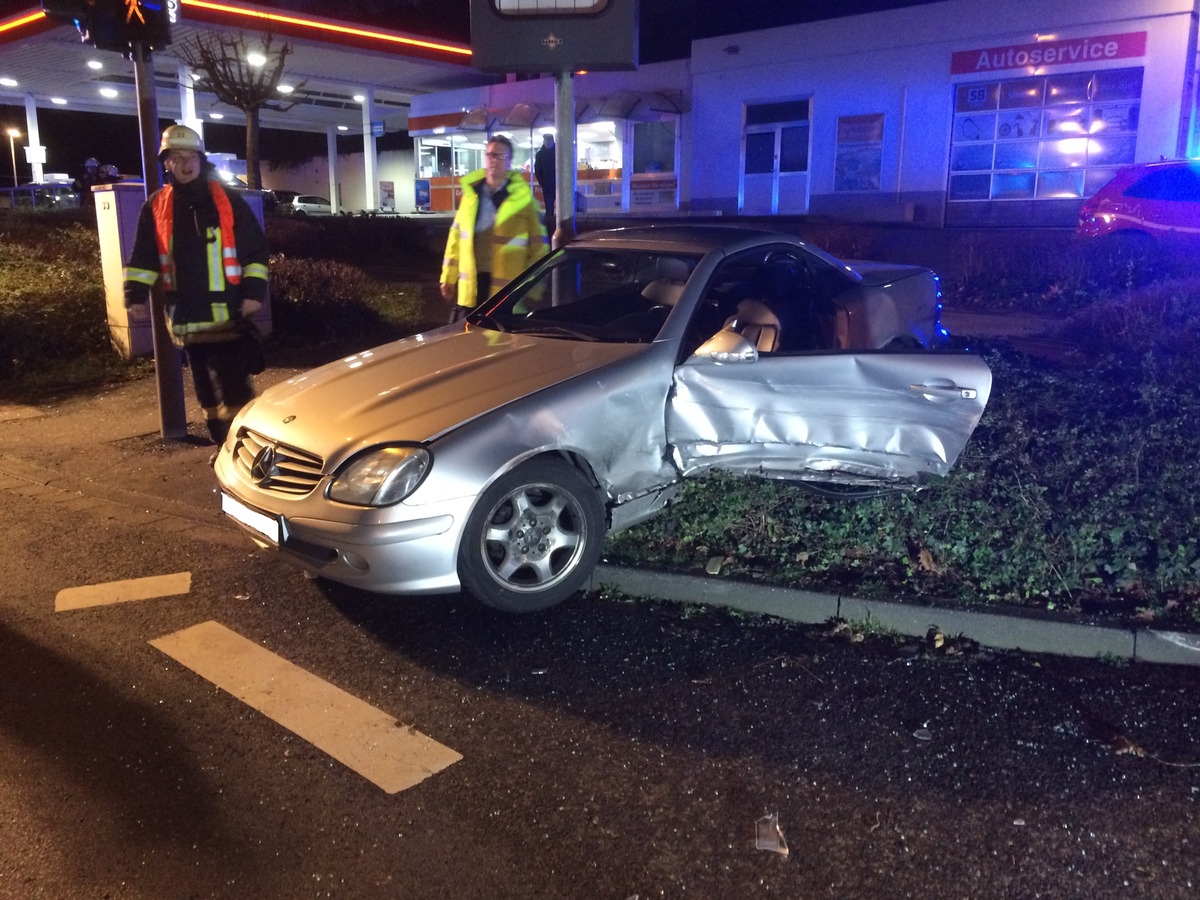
(772, 299)
(772, 302)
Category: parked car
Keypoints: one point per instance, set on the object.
(1156, 199)
(311, 205)
(278, 202)
(493, 455)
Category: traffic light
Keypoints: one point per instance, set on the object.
(115, 24)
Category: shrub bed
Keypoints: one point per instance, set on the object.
(53, 320)
(1077, 491)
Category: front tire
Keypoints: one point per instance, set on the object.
(533, 538)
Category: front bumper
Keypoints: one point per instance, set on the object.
(418, 556)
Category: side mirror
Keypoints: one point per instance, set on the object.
(726, 346)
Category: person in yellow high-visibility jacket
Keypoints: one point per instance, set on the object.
(497, 232)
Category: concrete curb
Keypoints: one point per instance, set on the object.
(1000, 631)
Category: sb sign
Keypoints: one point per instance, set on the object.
(554, 35)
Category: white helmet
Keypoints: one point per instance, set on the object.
(180, 137)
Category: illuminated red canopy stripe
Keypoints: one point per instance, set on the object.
(35, 22)
(343, 35)
(24, 25)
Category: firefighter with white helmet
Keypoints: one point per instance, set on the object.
(200, 245)
(83, 184)
(180, 137)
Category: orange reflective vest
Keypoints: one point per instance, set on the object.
(164, 223)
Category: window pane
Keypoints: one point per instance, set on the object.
(1067, 89)
(654, 146)
(1168, 184)
(1114, 117)
(1017, 155)
(1111, 150)
(1013, 187)
(1058, 185)
(1064, 154)
(793, 149)
(971, 156)
(1021, 123)
(760, 153)
(1066, 121)
(548, 7)
(1096, 179)
(768, 113)
(1118, 84)
(979, 127)
(975, 97)
(1025, 92)
(969, 187)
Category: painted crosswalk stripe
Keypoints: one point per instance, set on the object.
(367, 740)
(122, 591)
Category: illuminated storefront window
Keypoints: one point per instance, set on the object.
(615, 159)
(1043, 137)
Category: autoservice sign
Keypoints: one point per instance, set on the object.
(1103, 48)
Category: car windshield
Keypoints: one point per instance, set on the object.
(613, 296)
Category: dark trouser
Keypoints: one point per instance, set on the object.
(221, 383)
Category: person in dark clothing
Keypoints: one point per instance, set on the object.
(83, 184)
(544, 172)
(201, 245)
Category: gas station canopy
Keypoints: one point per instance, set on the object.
(330, 65)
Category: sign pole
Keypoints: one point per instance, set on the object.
(564, 159)
(168, 366)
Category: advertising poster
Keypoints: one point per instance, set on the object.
(859, 160)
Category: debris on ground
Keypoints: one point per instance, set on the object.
(769, 836)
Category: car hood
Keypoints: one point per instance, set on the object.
(878, 274)
(419, 388)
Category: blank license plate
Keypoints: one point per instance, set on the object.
(260, 523)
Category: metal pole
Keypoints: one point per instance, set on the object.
(168, 362)
(12, 150)
(564, 159)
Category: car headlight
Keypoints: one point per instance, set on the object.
(380, 477)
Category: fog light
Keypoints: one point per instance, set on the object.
(354, 561)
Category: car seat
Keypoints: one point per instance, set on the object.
(754, 321)
(670, 275)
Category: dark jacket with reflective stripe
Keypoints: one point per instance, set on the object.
(204, 306)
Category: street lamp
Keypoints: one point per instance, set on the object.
(13, 134)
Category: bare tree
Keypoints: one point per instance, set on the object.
(221, 62)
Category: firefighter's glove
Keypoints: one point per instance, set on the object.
(138, 312)
(250, 307)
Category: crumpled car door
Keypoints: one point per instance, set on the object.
(850, 418)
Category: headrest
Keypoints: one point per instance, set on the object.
(670, 268)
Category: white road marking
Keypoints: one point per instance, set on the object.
(369, 741)
(123, 591)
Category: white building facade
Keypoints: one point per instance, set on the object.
(957, 113)
(960, 112)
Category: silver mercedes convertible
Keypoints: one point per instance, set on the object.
(493, 456)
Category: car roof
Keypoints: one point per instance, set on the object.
(683, 238)
(696, 239)
(1139, 169)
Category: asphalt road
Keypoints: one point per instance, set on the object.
(183, 717)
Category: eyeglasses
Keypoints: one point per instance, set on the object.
(183, 156)
(496, 155)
